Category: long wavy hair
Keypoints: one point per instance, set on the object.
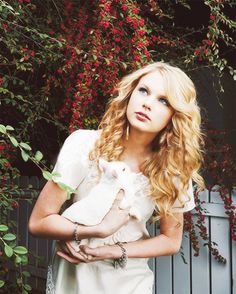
(177, 149)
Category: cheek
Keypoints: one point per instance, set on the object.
(164, 114)
(131, 106)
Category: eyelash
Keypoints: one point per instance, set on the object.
(141, 89)
(165, 100)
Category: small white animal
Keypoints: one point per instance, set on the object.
(91, 210)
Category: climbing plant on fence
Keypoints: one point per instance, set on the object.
(59, 62)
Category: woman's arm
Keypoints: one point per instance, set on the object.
(167, 243)
(45, 220)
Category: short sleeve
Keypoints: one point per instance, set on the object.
(72, 161)
(187, 199)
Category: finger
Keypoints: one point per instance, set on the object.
(120, 195)
(92, 252)
(75, 254)
(68, 258)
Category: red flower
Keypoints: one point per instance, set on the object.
(107, 7)
(135, 10)
(140, 44)
(124, 7)
(14, 205)
(106, 24)
(141, 22)
(137, 57)
(4, 26)
(212, 17)
(117, 50)
(141, 33)
(147, 53)
(209, 42)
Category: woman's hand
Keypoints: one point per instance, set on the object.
(87, 254)
(115, 218)
(68, 252)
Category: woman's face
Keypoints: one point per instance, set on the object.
(148, 109)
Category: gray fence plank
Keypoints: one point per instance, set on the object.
(200, 264)
(164, 275)
(181, 271)
(221, 276)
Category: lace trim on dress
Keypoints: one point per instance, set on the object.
(50, 287)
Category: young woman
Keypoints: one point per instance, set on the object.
(154, 126)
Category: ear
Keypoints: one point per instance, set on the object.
(102, 163)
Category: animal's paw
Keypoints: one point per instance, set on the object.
(134, 212)
(124, 204)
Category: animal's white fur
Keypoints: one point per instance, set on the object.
(91, 210)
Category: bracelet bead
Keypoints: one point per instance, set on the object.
(121, 261)
(76, 236)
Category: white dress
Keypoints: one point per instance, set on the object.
(101, 277)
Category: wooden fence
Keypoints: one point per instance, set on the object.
(201, 275)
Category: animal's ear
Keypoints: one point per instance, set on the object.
(114, 174)
(102, 163)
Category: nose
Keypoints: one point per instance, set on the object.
(146, 106)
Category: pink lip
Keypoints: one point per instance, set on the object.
(143, 115)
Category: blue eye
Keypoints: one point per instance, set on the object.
(164, 101)
(143, 90)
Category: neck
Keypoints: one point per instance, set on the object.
(138, 143)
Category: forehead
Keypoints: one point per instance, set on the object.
(155, 82)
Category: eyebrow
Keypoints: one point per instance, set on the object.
(148, 89)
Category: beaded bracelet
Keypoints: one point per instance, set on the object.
(121, 261)
(76, 236)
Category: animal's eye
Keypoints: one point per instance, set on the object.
(123, 169)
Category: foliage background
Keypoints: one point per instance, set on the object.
(59, 62)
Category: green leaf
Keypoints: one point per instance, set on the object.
(14, 141)
(20, 250)
(38, 155)
(8, 250)
(18, 259)
(9, 128)
(3, 129)
(47, 175)
(3, 228)
(24, 259)
(24, 155)
(25, 146)
(95, 57)
(56, 174)
(2, 283)
(26, 274)
(27, 287)
(124, 64)
(9, 237)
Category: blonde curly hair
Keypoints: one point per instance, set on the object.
(177, 149)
